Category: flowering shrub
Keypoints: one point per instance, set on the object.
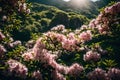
(64, 54)
(17, 68)
(90, 55)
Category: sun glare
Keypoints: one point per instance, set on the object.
(79, 3)
(66, 0)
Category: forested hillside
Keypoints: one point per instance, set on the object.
(90, 8)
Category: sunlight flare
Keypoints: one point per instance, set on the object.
(79, 3)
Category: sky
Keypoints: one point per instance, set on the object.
(69, 0)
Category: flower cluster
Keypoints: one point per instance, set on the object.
(85, 36)
(1, 36)
(17, 68)
(14, 44)
(27, 56)
(101, 23)
(30, 44)
(37, 75)
(114, 73)
(98, 74)
(23, 7)
(43, 55)
(91, 55)
(83, 27)
(75, 69)
(113, 9)
(68, 42)
(4, 18)
(2, 50)
(58, 28)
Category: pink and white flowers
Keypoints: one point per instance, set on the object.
(1, 36)
(98, 74)
(75, 70)
(91, 55)
(85, 36)
(17, 67)
(37, 75)
(2, 50)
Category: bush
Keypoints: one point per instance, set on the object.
(60, 18)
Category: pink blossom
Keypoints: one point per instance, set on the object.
(1, 36)
(28, 11)
(111, 9)
(2, 50)
(37, 75)
(98, 74)
(91, 55)
(85, 36)
(17, 67)
(68, 44)
(99, 18)
(22, 7)
(103, 29)
(58, 28)
(114, 73)
(4, 18)
(60, 37)
(83, 27)
(30, 44)
(118, 7)
(14, 44)
(92, 24)
(75, 70)
(28, 56)
(71, 36)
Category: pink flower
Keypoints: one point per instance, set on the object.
(1, 36)
(22, 7)
(37, 75)
(114, 73)
(28, 11)
(83, 27)
(92, 24)
(30, 44)
(4, 18)
(68, 44)
(58, 28)
(90, 55)
(71, 36)
(98, 74)
(17, 67)
(2, 50)
(118, 7)
(111, 9)
(14, 44)
(85, 36)
(103, 29)
(75, 70)
(99, 18)
(60, 37)
(28, 56)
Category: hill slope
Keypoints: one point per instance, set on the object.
(43, 17)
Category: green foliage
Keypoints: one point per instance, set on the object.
(25, 27)
(60, 18)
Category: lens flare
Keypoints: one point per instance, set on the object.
(79, 3)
